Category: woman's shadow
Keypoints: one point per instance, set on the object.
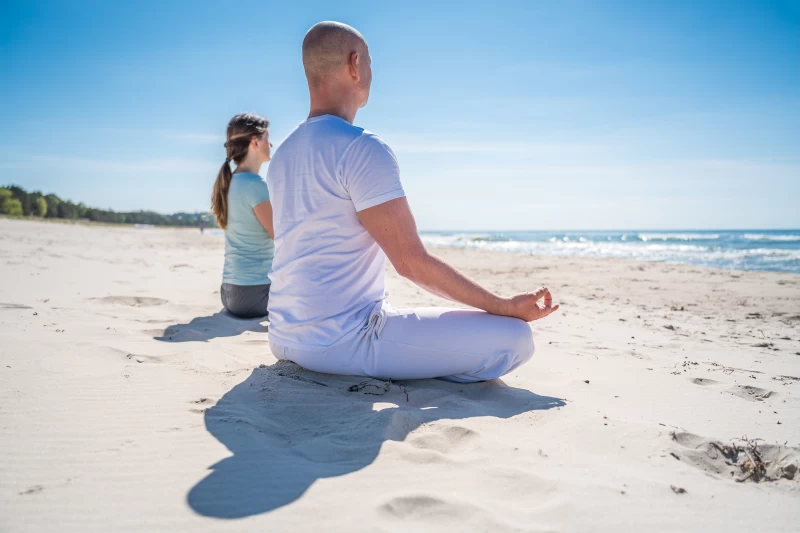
(288, 427)
(205, 328)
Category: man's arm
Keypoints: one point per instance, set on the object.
(392, 226)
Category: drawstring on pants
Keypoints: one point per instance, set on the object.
(376, 321)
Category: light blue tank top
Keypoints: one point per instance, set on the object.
(248, 247)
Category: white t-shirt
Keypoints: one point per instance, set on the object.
(327, 273)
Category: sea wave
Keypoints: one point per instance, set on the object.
(677, 237)
(727, 252)
(564, 247)
(777, 238)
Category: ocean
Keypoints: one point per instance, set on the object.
(760, 250)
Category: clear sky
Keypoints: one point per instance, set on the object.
(504, 115)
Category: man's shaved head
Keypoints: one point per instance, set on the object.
(327, 48)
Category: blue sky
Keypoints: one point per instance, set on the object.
(504, 115)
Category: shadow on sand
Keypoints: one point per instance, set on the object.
(205, 328)
(288, 427)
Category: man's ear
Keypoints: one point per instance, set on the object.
(353, 65)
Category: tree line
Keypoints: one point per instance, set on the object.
(17, 202)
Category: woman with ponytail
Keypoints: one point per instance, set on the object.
(240, 202)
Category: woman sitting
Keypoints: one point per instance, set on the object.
(240, 202)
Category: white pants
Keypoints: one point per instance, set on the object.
(419, 343)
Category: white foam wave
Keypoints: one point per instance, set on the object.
(677, 237)
(666, 251)
(779, 238)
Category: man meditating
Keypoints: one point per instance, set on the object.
(338, 211)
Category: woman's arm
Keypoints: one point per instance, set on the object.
(263, 213)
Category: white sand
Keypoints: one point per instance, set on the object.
(128, 403)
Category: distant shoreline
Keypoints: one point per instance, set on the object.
(87, 222)
(636, 263)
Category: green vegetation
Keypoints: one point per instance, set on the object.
(9, 205)
(41, 207)
(16, 202)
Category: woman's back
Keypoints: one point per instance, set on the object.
(242, 208)
(248, 248)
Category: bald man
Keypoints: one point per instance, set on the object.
(339, 210)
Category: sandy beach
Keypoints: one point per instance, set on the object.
(661, 398)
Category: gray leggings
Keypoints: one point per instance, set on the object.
(245, 301)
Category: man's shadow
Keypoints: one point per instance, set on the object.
(205, 328)
(288, 427)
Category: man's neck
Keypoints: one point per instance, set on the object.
(330, 100)
(344, 114)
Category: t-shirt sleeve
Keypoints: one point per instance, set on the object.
(369, 172)
(256, 191)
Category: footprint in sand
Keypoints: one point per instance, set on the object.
(444, 439)
(425, 511)
(704, 381)
(740, 460)
(153, 321)
(143, 358)
(423, 506)
(130, 301)
(14, 306)
(753, 394)
(33, 490)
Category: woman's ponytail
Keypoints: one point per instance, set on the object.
(219, 196)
